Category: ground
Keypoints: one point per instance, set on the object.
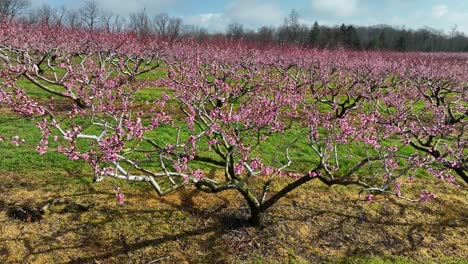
(316, 224)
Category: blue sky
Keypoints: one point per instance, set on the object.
(215, 15)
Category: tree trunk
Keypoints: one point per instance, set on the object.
(256, 217)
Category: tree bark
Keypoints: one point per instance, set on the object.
(256, 217)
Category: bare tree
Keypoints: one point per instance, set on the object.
(235, 31)
(45, 15)
(167, 26)
(140, 22)
(160, 24)
(119, 23)
(266, 34)
(73, 19)
(292, 20)
(10, 9)
(291, 26)
(195, 32)
(59, 15)
(106, 20)
(49, 16)
(111, 22)
(174, 27)
(90, 14)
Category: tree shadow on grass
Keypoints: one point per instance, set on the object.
(214, 220)
(85, 235)
(215, 226)
(404, 230)
(143, 244)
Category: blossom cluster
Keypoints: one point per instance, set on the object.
(115, 96)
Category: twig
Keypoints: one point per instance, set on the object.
(159, 259)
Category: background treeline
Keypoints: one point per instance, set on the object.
(379, 37)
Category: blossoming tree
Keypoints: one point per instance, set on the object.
(270, 120)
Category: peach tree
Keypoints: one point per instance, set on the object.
(268, 119)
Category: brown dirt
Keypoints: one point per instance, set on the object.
(316, 224)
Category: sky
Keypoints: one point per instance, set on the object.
(216, 15)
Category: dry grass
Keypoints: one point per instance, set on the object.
(315, 224)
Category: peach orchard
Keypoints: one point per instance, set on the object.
(160, 111)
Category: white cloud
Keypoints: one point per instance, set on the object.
(214, 22)
(439, 11)
(125, 7)
(254, 13)
(251, 14)
(338, 8)
(121, 7)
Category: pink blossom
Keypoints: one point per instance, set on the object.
(198, 174)
(268, 170)
(192, 140)
(42, 150)
(426, 196)
(256, 163)
(119, 195)
(295, 176)
(120, 198)
(185, 177)
(15, 140)
(238, 169)
(369, 198)
(396, 188)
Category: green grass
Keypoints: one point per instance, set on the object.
(271, 151)
(26, 159)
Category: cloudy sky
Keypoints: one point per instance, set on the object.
(215, 15)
